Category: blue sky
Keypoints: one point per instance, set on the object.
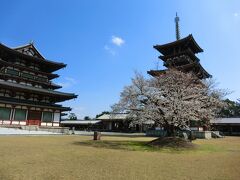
(104, 42)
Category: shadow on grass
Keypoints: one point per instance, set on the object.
(130, 145)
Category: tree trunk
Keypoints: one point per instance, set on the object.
(170, 130)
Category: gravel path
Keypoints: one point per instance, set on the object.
(13, 131)
(108, 133)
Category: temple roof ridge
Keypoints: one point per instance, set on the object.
(57, 65)
(28, 47)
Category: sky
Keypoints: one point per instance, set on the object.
(104, 42)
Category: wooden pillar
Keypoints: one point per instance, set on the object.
(41, 117)
(26, 117)
(53, 116)
(28, 109)
(141, 127)
(12, 114)
(110, 125)
(60, 118)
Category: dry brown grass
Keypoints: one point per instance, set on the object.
(63, 157)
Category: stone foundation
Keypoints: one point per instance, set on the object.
(197, 134)
(63, 130)
(202, 134)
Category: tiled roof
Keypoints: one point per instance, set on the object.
(112, 117)
(226, 121)
(34, 89)
(80, 122)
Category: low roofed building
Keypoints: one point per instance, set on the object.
(81, 124)
(228, 126)
(121, 122)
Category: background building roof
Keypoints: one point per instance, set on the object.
(120, 116)
(80, 122)
(226, 121)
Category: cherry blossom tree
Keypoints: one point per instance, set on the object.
(171, 100)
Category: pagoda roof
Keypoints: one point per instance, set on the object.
(22, 102)
(201, 73)
(189, 41)
(188, 52)
(61, 95)
(29, 49)
(49, 75)
(45, 84)
(155, 73)
(48, 65)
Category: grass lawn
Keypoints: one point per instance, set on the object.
(78, 157)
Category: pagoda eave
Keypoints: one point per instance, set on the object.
(23, 88)
(156, 73)
(27, 103)
(197, 68)
(189, 40)
(49, 85)
(49, 75)
(187, 52)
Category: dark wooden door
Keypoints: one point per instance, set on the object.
(34, 117)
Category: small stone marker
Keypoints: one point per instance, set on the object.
(96, 135)
(185, 136)
(73, 130)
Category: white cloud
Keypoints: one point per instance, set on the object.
(236, 14)
(111, 46)
(71, 80)
(64, 84)
(79, 111)
(67, 82)
(110, 50)
(118, 41)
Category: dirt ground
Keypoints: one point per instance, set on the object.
(78, 157)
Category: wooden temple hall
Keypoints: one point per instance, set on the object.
(27, 94)
(181, 55)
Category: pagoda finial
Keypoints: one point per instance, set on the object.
(177, 27)
(31, 42)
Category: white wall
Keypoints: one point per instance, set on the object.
(56, 117)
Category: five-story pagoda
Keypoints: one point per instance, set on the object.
(181, 55)
(27, 94)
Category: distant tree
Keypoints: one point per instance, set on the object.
(87, 118)
(232, 109)
(102, 113)
(171, 100)
(72, 116)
